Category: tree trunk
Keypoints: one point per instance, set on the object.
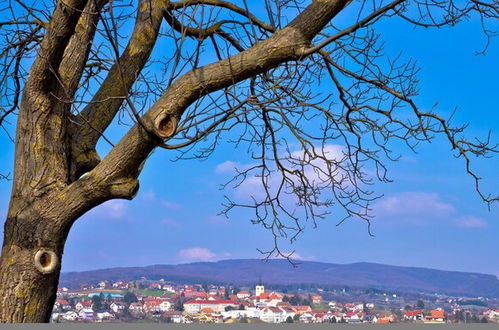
(37, 222)
(30, 267)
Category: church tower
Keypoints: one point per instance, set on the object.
(259, 289)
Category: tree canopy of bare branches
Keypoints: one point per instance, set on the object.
(315, 101)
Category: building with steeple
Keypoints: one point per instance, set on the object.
(259, 289)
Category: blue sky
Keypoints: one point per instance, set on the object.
(430, 215)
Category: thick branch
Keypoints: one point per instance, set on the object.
(41, 153)
(98, 114)
(59, 32)
(76, 53)
(128, 155)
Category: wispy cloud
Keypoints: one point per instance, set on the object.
(226, 167)
(201, 254)
(423, 208)
(115, 209)
(196, 254)
(414, 205)
(469, 221)
(151, 196)
(295, 256)
(316, 170)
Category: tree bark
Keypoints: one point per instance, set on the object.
(29, 269)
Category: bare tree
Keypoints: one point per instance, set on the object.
(285, 81)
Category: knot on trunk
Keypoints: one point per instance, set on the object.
(46, 261)
(166, 126)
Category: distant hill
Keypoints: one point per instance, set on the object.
(276, 271)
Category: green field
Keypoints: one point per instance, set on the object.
(156, 293)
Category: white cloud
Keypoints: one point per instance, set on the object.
(196, 254)
(252, 187)
(413, 205)
(151, 196)
(295, 256)
(115, 209)
(226, 167)
(423, 208)
(316, 171)
(469, 221)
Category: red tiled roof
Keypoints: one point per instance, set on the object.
(62, 302)
(287, 309)
(413, 313)
(437, 314)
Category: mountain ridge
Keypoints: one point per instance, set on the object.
(280, 272)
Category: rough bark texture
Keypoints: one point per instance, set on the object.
(52, 151)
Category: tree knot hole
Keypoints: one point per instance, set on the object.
(167, 126)
(46, 261)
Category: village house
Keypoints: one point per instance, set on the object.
(69, 316)
(218, 305)
(117, 306)
(86, 314)
(83, 304)
(239, 314)
(412, 316)
(156, 305)
(104, 316)
(62, 304)
(120, 285)
(436, 316)
(174, 316)
(306, 318)
(320, 317)
(274, 314)
(316, 299)
(352, 317)
(169, 288)
(243, 294)
(136, 308)
(302, 309)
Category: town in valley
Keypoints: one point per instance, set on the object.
(161, 300)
